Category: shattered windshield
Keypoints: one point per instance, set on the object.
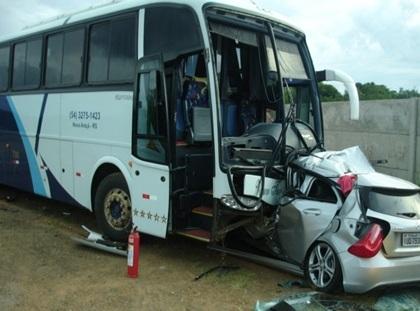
(291, 62)
(248, 80)
(296, 83)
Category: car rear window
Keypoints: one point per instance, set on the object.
(400, 204)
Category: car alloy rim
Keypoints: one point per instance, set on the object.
(321, 265)
(117, 209)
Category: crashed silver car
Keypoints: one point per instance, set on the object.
(362, 234)
(338, 222)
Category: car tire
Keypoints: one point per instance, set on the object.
(322, 269)
(113, 207)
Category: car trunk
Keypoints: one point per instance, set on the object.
(400, 209)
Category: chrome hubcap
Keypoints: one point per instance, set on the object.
(321, 265)
(118, 209)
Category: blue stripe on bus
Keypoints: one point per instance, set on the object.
(37, 183)
(57, 191)
(14, 170)
(41, 117)
(14, 167)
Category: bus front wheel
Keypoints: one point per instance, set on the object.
(113, 207)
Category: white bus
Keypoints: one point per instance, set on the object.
(160, 114)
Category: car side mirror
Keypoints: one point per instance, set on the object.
(339, 76)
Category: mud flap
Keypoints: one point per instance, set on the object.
(97, 241)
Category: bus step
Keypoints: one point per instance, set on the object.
(203, 210)
(196, 234)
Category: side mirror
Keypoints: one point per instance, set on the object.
(349, 84)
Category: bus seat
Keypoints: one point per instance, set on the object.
(196, 92)
(201, 124)
(248, 116)
(194, 95)
(230, 118)
(196, 110)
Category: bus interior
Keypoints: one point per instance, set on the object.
(249, 96)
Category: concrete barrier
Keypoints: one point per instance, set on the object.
(387, 130)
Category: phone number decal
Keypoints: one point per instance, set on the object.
(85, 115)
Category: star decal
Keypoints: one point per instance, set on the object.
(150, 216)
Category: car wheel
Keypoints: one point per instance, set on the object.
(113, 207)
(322, 268)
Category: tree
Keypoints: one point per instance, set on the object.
(329, 93)
(372, 91)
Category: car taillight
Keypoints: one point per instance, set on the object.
(346, 183)
(370, 244)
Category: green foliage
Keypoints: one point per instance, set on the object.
(329, 93)
(367, 91)
(370, 91)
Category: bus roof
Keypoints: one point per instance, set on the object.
(246, 6)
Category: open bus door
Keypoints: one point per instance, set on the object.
(151, 181)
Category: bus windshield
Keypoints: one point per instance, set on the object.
(249, 89)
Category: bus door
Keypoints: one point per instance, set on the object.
(150, 189)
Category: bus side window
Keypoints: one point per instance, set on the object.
(27, 64)
(151, 115)
(4, 68)
(64, 58)
(112, 51)
(172, 31)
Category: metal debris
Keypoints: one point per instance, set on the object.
(407, 299)
(97, 241)
(311, 301)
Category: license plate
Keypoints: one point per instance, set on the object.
(411, 239)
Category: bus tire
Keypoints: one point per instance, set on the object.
(113, 207)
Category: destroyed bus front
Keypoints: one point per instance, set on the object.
(288, 202)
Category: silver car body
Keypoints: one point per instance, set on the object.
(306, 221)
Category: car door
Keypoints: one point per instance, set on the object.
(305, 219)
(150, 155)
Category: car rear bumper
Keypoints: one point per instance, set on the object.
(361, 275)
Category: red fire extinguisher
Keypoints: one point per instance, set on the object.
(133, 254)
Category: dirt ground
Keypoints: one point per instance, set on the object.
(41, 268)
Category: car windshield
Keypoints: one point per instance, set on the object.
(404, 204)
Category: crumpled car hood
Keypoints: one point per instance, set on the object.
(333, 164)
(378, 180)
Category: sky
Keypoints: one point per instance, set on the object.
(372, 40)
